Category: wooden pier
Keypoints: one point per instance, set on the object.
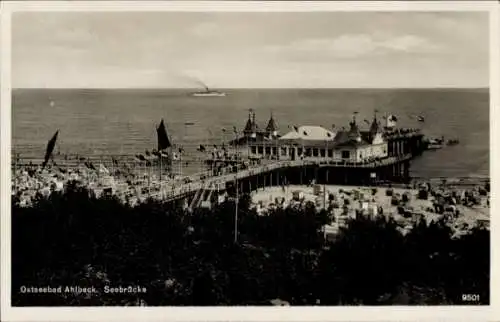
(278, 173)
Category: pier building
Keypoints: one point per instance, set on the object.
(316, 143)
(352, 156)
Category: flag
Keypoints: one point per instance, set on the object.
(391, 121)
(164, 141)
(50, 148)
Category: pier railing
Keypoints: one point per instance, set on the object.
(206, 178)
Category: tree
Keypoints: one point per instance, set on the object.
(183, 258)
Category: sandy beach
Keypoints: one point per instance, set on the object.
(362, 198)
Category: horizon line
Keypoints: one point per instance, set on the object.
(238, 88)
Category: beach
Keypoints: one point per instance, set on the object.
(344, 202)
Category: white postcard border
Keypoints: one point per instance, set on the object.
(396, 313)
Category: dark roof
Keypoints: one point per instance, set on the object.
(350, 138)
(248, 126)
(354, 134)
(366, 136)
(251, 127)
(271, 125)
(341, 137)
(375, 127)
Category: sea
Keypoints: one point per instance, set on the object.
(93, 122)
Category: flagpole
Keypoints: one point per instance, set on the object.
(183, 145)
(237, 197)
(265, 152)
(203, 153)
(222, 137)
(100, 165)
(15, 165)
(160, 162)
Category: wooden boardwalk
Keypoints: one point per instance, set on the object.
(204, 181)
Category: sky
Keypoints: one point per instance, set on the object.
(250, 50)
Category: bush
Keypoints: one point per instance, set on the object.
(191, 259)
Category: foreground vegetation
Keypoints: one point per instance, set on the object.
(72, 239)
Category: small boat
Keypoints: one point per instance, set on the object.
(434, 144)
